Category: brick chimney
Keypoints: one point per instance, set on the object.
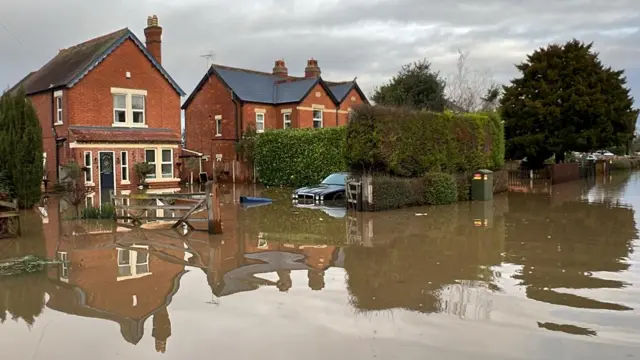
(280, 69)
(153, 34)
(312, 70)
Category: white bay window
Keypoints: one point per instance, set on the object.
(161, 161)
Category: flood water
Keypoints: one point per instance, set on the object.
(548, 273)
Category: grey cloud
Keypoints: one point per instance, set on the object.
(368, 39)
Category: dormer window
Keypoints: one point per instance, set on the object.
(129, 107)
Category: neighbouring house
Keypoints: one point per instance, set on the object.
(108, 104)
(227, 101)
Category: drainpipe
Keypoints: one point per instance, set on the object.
(238, 120)
(337, 109)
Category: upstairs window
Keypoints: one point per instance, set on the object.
(129, 107)
(137, 106)
(59, 110)
(119, 109)
(218, 125)
(317, 119)
(260, 122)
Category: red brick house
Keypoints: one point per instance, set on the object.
(108, 104)
(229, 100)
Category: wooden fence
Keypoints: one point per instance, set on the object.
(9, 219)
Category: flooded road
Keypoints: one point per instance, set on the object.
(545, 274)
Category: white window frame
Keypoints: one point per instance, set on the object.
(155, 162)
(115, 123)
(89, 166)
(129, 111)
(63, 257)
(286, 115)
(162, 162)
(158, 176)
(59, 107)
(124, 167)
(218, 125)
(321, 119)
(143, 111)
(133, 263)
(262, 115)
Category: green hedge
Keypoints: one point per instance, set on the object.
(391, 192)
(440, 189)
(624, 164)
(408, 143)
(299, 157)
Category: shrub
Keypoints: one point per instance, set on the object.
(500, 181)
(106, 211)
(298, 157)
(407, 143)
(395, 192)
(463, 186)
(143, 169)
(439, 189)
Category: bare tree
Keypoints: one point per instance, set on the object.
(468, 88)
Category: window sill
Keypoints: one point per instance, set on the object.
(260, 131)
(125, 182)
(137, 276)
(58, 123)
(89, 184)
(130, 125)
(163, 180)
(218, 135)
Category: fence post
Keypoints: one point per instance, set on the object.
(213, 208)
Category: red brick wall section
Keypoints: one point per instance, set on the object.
(90, 102)
(43, 105)
(200, 126)
(352, 100)
(271, 119)
(305, 116)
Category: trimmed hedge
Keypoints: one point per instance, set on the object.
(299, 157)
(408, 143)
(390, 192)
(440, 189)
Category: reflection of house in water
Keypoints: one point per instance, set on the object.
(123, 277)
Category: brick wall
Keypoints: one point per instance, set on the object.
(352, 100)
(317, 96)
(200, 124)
(43, 105)
(90, 102)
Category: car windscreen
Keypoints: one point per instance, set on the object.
(335, 179)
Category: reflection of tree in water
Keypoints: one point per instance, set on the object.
(561, 245)
(429, 264)
(22, 297)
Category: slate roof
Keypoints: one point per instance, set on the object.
(266, 88)
(70, 65)
(114, 134)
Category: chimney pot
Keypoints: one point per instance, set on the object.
(280, 69)
(312, 70)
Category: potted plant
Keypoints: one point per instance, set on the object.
(143, 169)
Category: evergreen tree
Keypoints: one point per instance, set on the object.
(415, 86)
(566, 100)
(21, 147)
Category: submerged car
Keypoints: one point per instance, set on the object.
(333, 187)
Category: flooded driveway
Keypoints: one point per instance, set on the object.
(547, 274)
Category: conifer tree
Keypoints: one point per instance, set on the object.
(565, 100)
(21, 147)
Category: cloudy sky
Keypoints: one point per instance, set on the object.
(369, 39)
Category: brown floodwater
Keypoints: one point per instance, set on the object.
(538, 273)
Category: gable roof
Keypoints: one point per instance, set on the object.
(267, 88)
(341, 90)
(70, 65)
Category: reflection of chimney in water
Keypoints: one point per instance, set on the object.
(316, 279)
(161, 329)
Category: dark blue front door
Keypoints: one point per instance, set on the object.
(107, 176)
